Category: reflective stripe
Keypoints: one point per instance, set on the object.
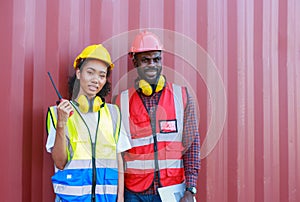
(161, 137)
(116, 119)
(83, 190)
(100, 163)
(125, 109)
(177, 92)
(149, 164)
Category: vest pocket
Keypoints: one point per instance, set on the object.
(174, 150)
(81, 149)
(69, 177)
(107, 174)
(111, 173)
(174, 162)
(140, 126)
(111, 176)
(71, 185)
(172, 176)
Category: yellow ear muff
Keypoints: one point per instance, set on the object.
(97, 104)
(85, 105)
(160, 83)
(147, 89)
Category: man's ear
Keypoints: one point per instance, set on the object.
(135, 63)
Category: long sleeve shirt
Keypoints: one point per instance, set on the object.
(191, 140)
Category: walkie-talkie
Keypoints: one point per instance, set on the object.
(57, 92)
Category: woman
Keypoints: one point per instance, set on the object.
(85, 134)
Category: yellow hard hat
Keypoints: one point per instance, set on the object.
(96, 52)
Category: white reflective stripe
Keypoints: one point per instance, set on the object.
(100, 163)
(142, 141)
(115, 116)
(124, 101)
(106, 163)
(106, 189)
(149, 164)
(84, 190)
(161, 137)
(169, 137)
(179, 109)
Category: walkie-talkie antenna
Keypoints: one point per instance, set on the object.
(58, 94)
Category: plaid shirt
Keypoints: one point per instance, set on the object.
(191, 140)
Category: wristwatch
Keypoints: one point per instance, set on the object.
(193, 190)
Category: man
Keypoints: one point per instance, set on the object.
(161, 120)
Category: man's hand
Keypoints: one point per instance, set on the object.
(188, 197)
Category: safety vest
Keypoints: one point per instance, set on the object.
(157, 147)
(92, 169)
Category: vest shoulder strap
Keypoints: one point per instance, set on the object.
(116, 119)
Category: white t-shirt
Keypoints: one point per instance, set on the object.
(91, 118)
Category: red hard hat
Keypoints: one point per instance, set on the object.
(145, 41)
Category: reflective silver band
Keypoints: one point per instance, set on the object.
(149, 164)
(100, 163)
(161, 137)
(84, 190)
(178, 107)
(124, 101)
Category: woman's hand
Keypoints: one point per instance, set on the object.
(64, 109)
(59, 150)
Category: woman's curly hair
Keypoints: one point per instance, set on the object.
(74, 84)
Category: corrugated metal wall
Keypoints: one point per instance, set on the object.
(240, 58)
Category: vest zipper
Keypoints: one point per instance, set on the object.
(153, 126)
(94, 174)
(94, 177)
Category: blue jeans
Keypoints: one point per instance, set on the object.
(136, 197)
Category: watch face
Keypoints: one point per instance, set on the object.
(193, 190)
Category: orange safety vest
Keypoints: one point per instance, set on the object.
(157, 148)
